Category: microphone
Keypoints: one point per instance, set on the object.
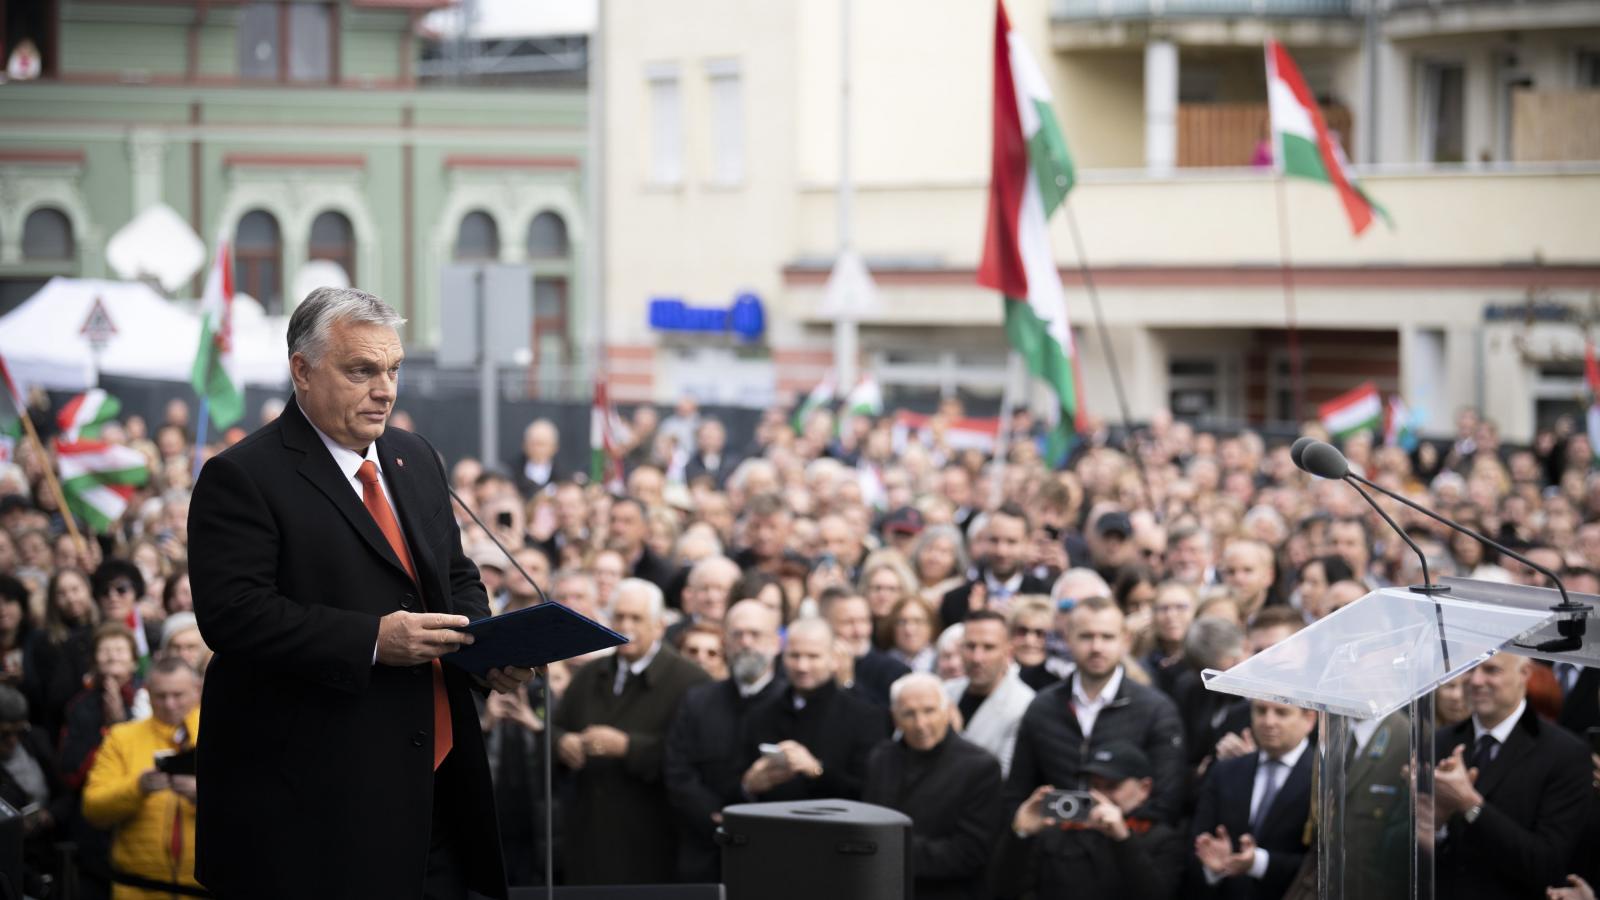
(1297, 451)
(1323, 460)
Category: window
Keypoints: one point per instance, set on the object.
(666, 126)
(258, 259)
(286, 41)
(1444, 113)
(1204, 387)
(47, 235)
(259, 41)
(29, 38)
(333, 239)
(550, 252)
(1588, 75)
(727, 123)
(477, 238)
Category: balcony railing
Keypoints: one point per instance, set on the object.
(1227, 134)
(1073, 10)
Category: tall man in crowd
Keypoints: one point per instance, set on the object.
(948, 786)
(329, 578)
(821, 733)
(850, 618)
(1002, 573)
(610, 729)
(703, 753)
(991, 696)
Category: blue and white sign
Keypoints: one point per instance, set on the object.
(746, 318)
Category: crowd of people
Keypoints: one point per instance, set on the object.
(1008, 651)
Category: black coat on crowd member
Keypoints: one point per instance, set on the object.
(952, 794)
(1225, 798)
(1207, 715)
(701, 768)
(1051, 748)
(839, 728)
(957, 602)
(1086, 865)
(1536, 799)
(620, 829)
(875, 672)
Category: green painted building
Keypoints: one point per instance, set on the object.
(300, 131)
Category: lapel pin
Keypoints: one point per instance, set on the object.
(399, 462)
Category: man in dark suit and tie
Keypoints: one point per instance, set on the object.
(1511, 792)
(339, 757)
(1250, 824)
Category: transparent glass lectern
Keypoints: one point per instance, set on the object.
(1370, 670)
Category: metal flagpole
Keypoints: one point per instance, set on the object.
(1110, 354)
(1002, 442)
(1296, 368)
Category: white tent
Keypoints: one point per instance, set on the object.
(43, 343)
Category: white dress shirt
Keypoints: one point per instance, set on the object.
(1087, 710)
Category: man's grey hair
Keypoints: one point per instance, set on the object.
(656, 601)
(925, 679)
(314, 318)
(1210, 640)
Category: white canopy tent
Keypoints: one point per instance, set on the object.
(43, 343)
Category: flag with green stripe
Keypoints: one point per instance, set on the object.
(99, 479)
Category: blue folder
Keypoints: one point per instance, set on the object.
(531, 637)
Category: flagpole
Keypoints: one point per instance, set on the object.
(1296, 369)
(1109, 351)
(54, 485)
(1002, 440)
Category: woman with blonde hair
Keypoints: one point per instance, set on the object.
(939, 561)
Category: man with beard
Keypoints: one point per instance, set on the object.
(701, 765)
(1002, 574)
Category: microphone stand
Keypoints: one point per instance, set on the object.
(544, 709)
(1428, 585)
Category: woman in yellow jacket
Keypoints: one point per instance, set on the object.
(151, 813)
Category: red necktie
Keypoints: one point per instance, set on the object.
(378, 505)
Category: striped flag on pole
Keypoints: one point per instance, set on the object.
(84, 414)
(99, 479)
(1352, 412)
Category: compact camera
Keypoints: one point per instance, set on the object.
(1068, 806)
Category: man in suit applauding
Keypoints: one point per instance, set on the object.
(1511, 792)
(1250, 824)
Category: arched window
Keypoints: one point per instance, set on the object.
(258, 259)
(477, 238)
(550, 254)
(47, 235)
(334, 239)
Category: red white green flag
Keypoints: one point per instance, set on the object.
(1353, 411)
(605, 441)
(215, 377)
(85, 414)
(1302, 145)
(1030, 176)
(99, 479)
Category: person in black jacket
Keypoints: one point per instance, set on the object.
(1067, 722)
(1511, 792)
(31, 782)
(1116, 852)
(1003, 574)
(702, 755)
(850, 617)
(820, 735)
(1250, 824)
(949, 787)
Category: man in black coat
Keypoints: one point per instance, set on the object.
(850, 618)
(339, 758)
(1115, 851)
(811, 740)
(611, 728)
(626, 531)
(948, 786)
(1250, 824)
(1511, 792)
(710, 458)
(1003, 570)
(701, 766)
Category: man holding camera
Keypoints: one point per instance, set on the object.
(1095, 843)
(148, 803)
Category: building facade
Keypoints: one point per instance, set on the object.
(299, 130)
(1474, 124)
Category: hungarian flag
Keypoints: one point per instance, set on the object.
(1352, 412)
(957, 434)
(865, 400)
(85, 414)
(820, 396)
(1591, 375)
(215, 376)
(12, 409)
(1031, 173)
(1302, 146)
(605, 441)
(98, 479)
